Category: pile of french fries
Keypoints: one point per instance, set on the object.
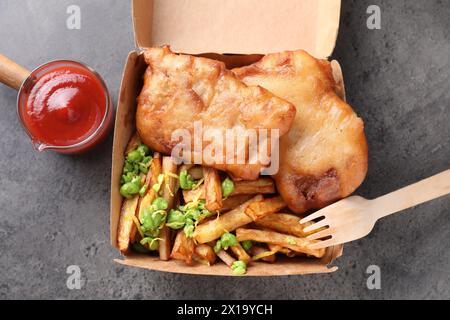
(250, 224)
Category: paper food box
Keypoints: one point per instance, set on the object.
(237, 32)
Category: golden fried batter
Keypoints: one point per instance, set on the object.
(324, 156)
(181, 89)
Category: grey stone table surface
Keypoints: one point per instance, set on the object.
(54, 208)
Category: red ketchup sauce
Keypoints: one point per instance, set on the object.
(66, 106)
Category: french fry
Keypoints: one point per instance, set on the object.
(284, 223)
(143, 203)
(134, 229)
(275, 248)
(168, 188)
(261, 209)
(126, 223)
(151, 195)
(169, 168)
(293, 243)
(213, 229)
(260, 186)
(154, 171)
(234, 201)
(134, 142)
(264, 254)
(273, 232)
(147, 179)
(205, 254)
(143, 178)
(213, 189)
(225, 257)
(194, 195)
(240, 253)
(127, 226)
(164, 243)
(183, 248)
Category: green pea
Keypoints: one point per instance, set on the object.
(186, 181)
(157, 186)
(217, 246)
(189, 230)
(193, 214)
(148, 227)
(137, 181)
(129, 189)
(124, 193)
(143, 149)
(151, 224)
(143, 191)
(153, 243)
(135, 156)
(143, 168)
(239, 267)
(147, 160)
(176, 219)
(247, 244)
(227, 187)
(205, 213)
(201, 204)
(160, 203)
(128, 167)
(127, 177)
(228, 240)
(159, 217)
(152, 220)
(147, 223)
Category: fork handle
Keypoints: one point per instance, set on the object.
(410, 196)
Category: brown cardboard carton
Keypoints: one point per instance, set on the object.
(238, 26)
(236, 32)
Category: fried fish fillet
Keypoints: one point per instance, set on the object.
(180, 90)
(324, 156)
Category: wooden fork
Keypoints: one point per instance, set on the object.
(354, 217)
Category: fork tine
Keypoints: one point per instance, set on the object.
(311, 217)
(315, 226)
(320, 234)
(323, 244)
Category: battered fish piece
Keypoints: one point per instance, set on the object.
(181, 89)
(324, 156)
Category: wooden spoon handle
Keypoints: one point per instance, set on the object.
(12, 74)
(410, 196)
